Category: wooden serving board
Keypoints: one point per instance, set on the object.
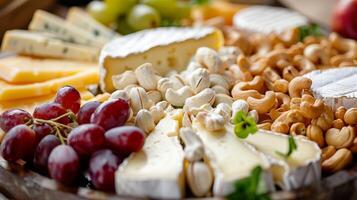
(16, 14)
(18, 183)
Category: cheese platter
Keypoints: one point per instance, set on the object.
(201, 110)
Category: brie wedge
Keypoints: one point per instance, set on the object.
(336, 87)
(157, 170)
(166, 48)
(300, 169)
(231, 159)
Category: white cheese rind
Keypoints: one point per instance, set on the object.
(157, 171)
(37, 44)
(335, 86)
(268, 19)
(300, 169)
(81, 19)
(166, 48)
(46, 22)
(231, 159)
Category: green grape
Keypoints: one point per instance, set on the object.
(183, 10)
(123, 27)
(167, 8)
(98, 10)
(142, 17)
(120, 7)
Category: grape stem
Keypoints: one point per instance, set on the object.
(55, 124)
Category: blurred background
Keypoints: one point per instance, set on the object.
(15, 14)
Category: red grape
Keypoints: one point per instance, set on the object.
(43, 150)
(111, 114)
(49, 111)
(86, 111)
(102, 167)
(126, 139)
(18, 143)
(42, 130)
(87, 139)
(63, 164)
(12, 118)
(69, 98)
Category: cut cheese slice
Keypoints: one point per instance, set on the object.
(42, 45)
(336, 87)
(231, 159)
(29, 104)
(21, 69)
(43, 21)
(165, 48)
(79, 80)
(81, 19)
(156, 171)
(300, 169)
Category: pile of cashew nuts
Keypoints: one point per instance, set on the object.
(260, 75)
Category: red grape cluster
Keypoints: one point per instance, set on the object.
(61, 138)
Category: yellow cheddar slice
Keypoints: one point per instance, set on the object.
(166, 48)
(80, 80)
(29, 104)
(21, 69)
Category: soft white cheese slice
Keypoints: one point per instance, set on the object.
(166, 48)
(300, 169)
(231, 159)
(157, 171)
(336, 87)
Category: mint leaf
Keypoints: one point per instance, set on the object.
(291, 149)
(309, 30)
(244, 125)
(248, 188)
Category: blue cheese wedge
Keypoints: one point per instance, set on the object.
(300, 169)
(43, 21)
(231, 159)
(336, 86)
(157, 171)
(44, 45)
(268, 19)
(166, 48)
(81, 19)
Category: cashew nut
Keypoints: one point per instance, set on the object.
(254, 114)
(340, 138)
(145, 121)
(217, 79)
(209, 59)
(120, 94)
(178, 97)
(327, 152)
(324, 121)
(194, 150)
(244, 94)
(211, 121)
(347, 46)
(223, 98)
(239, 105)
(283, 122)
(205, 96)
(199, 178)
(340, 113)
(298, 129)
(146, 76)
(139, 99)
(283, 100)
(264, 126)
(256, 84)
(304, 64)
(224, 110)
(298, 84)
(351, 116)
(158, 111)
(316, 54)
(290, 72)
(315, 134)
(199, 80)
(154, 96)
(312, 109)
(264, 104)
(172, 82)
(338, 123)
(281, 85)
(338, 161)
(220, 90)
(122, 80)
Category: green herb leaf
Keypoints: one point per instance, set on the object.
(244, 125)
(248, 188)
(199, 2)
(292, 148)
(309, 30)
